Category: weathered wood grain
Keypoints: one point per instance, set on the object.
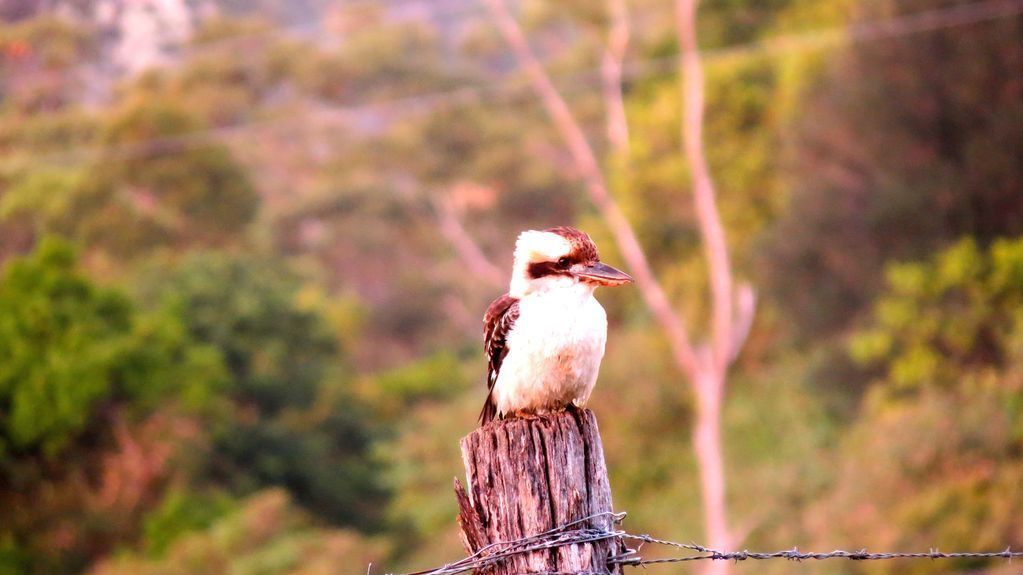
(528, 476)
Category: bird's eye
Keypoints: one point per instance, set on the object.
(563, 263)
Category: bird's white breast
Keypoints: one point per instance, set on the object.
(554, 351)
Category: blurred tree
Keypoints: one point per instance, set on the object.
(68, 345)
(62, 339)
(180, 512)
(267, 535)
(418, 398)
(150, 187)
(959, 313)
(41, 82)
(905, 145)
(296, 422)
(39, 60)
(83, 453)
(936, 454)
(157, 187)
(381, 62)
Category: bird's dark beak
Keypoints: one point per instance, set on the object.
(601, 274)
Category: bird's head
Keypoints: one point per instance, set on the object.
(556, 258)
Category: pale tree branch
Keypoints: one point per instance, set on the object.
(724, 329)
(611, 75)
(713, 233)
(453, 230)
(586, 163)
(745, 310)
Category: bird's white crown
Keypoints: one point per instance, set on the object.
(531, 247)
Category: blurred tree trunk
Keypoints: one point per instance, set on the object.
(706, 366)
(449, 221)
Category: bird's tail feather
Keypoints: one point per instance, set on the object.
(489, 411)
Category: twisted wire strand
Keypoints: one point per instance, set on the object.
(563, 535)
(556, 537)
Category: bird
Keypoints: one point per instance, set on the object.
(545, 338)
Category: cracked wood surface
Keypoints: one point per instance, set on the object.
(527, 476)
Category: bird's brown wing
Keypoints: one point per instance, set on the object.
(497, 322)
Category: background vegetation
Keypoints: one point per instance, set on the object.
(239, 333)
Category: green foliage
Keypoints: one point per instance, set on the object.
(149, 188)
(247, 308)
(181, 512)
(44, 195)
(62, 338)
(730, 22)
(295, 421)
(944, 468)
(944, 318)
(158, 190)
(266, 535)
(421, 400)
(166, 362)
(81, 374)
(937, 450)
(68, 344)
(44, 141)
(428, 380)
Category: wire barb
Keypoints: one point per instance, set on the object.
(562, 535)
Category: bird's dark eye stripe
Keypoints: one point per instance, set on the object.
(543, 269)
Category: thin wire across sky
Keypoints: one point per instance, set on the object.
(909, 24)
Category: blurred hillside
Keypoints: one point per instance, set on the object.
(245, 250)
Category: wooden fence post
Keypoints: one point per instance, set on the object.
(529, 476)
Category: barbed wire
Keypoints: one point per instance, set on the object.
(557, 537)
(794, 554)
(495, 553)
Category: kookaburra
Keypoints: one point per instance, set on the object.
(544, 339)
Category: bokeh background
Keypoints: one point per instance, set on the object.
(246, 248)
